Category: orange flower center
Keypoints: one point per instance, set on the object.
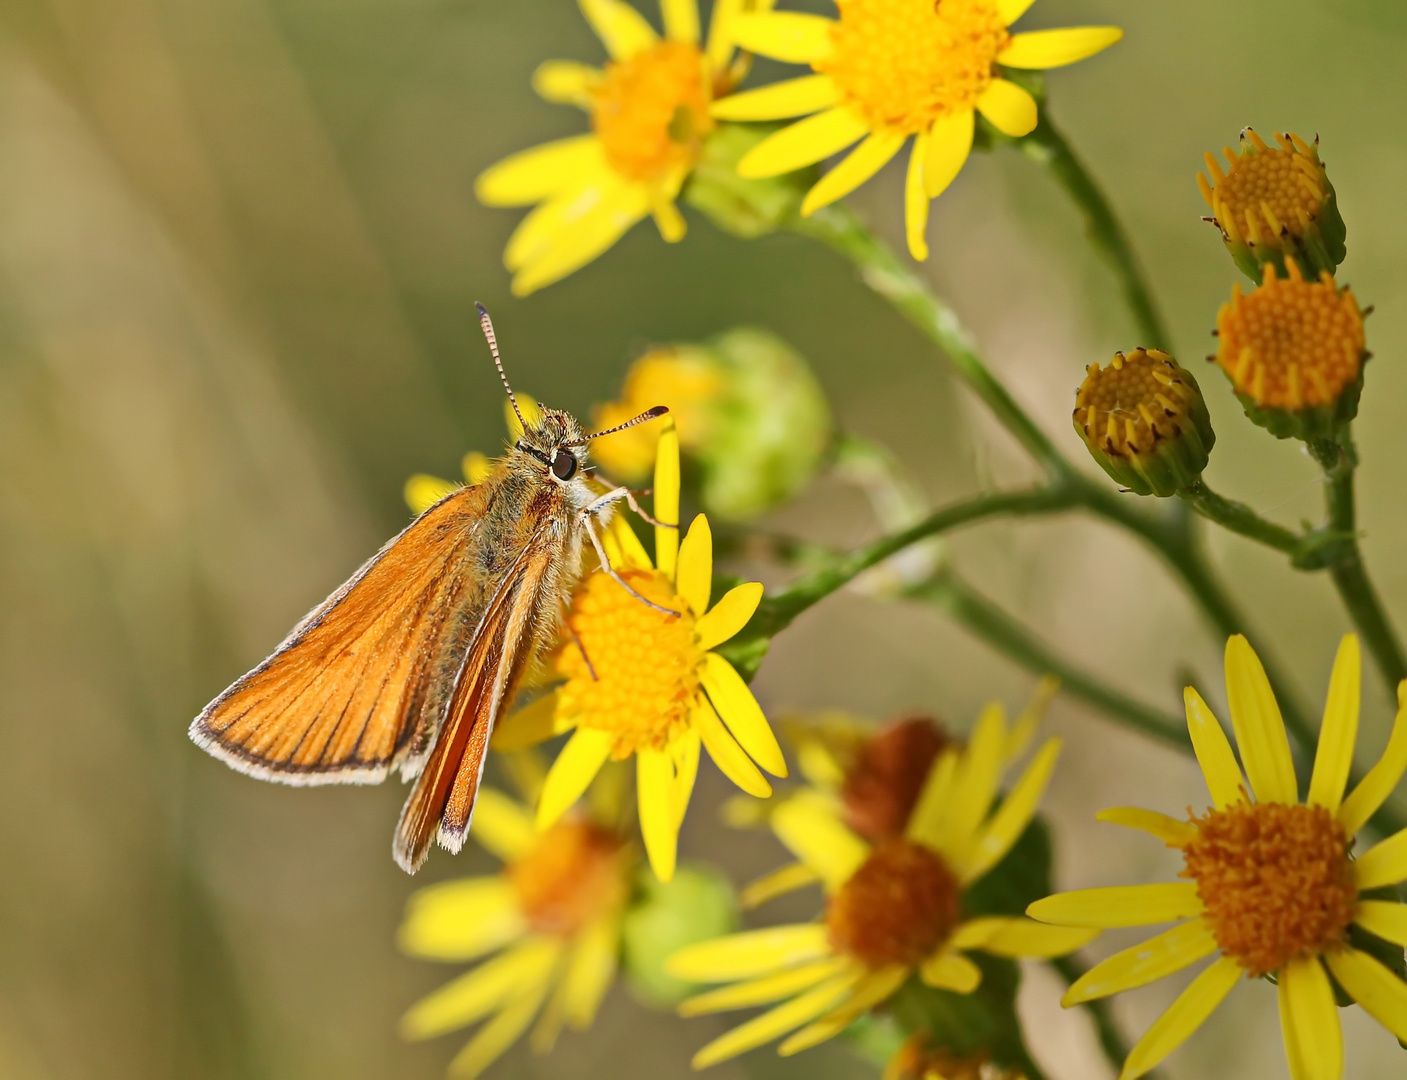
(889, 771)
(646, 664)
(1268, 190)
(651, 111)
(897, 908)
(1275, 880)
(572, 876)
(1291, 344)
(905, 63)
(1138, 400)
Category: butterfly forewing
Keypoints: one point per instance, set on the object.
(360, 684)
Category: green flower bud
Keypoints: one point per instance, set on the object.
(746, 208)
(1144, 421)
(697, 905)
(1275, 203)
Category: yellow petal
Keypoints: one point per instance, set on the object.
(668, 219)
(730, 758)
(784, 35)
(619, 208)
(928, 819)
(1339, 731)
(681, 20)
(667, 498)
(976, 784)
(1020, 938)
(624, 547)
(1213, 752)
(729, 615)
(1260, 732)
(809, 827)
(951, 971)
(571, 774)
(1385, 863)
(792, 97)
(1382, 994)
(621, 28)
(1372, 791)
(1010, 108)
(476, 467)
(654, 778)
(1309, 1021)
(719, 48)
(684, 752)
(1011, 10)
(694, 578)
(750, 954)
(789, 878)
(803, 143)
(540, 228)
(422, 491)
(778, 1021)
(949, 143)
(502, 825)
(477, 993)
(566, 82)
(853, 170)
(765, 990)
(873, 988)
(916, 200)
(532, 175)
(1016, 811)
(1056, 48)
(530, 725)
(1386, 918)
(459, 920)
(1146, 962)
(499, 1033)
(1170, 831)
(590, 969)
(740, 711)
(1120, 905)
(1183, 1017)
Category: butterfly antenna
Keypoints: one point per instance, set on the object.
(648, 414)
(486, 324)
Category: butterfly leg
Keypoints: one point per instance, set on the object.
(629, 498)
(590, 526)
(571, 633)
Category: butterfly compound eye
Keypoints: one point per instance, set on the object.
(564, 465)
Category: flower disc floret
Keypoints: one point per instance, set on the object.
(897, 908)
(651, 111)
(1275, 880)
(905, 63)
(571, 877)
(643, 676)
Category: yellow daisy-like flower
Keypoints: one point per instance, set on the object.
(649, 110)
(888, 70)
(643, 683)
(552, 915)
(893, 908)
(1272, 889)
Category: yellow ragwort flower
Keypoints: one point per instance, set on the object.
(552, 915)
(893, 908)
(649, 111)
(643, 683)
(888, 70)
(1271, 890)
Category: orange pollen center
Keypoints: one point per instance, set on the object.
(646, 663)
(1134, 403)
(883, 784)
(651, 111)
(572, 876)
(897, 908)
(1275, 881)
(1267, 191)
(1291, 344)
(905, 63)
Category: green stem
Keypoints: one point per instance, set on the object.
(997, 628)
(1240, 518)
(1111, 1039)
(1048, 146)
(1339, 460)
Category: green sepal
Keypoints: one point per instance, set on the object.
(1320, 423)
(744, 207)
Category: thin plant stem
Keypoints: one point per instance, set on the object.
(1240, 518)
(1049, 147)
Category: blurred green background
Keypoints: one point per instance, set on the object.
(238, 254)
